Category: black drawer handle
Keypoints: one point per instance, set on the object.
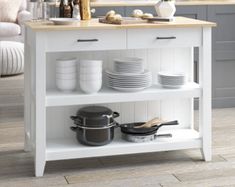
(166, 38)
(87, 40)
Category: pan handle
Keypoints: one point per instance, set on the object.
(169, 123)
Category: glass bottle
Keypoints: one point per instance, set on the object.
(71, 7)
(61, 8)
(76, 9)
(67, 9)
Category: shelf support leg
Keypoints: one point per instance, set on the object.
(27, 94)
(205, 100)
(40, 109)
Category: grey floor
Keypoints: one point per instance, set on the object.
(174, 168)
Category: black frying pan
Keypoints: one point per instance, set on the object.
(129, 128)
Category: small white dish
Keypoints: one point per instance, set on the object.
(64, 21)
(170, 79)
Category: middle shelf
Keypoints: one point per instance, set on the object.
(107, 95)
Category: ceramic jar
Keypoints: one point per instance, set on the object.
(165, 8)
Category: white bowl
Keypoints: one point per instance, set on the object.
(66, 62)
(90, 70)
(90, 86)
(90, 63)
(66, 75)
(90, 76)
(66, 85)
(66, 70)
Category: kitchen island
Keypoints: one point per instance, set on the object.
(163, 46)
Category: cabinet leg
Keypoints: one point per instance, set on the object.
(39, 167)
(27, 145)
(206, 154)
(27, 98)
(205, 100)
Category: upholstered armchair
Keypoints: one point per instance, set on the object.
(13, 13)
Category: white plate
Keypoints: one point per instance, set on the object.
(64, 21)
(129, 89)
(171, 86)
(130, 85)
(171, 74)
(146, 72)
(128, 60)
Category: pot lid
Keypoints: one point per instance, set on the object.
(94, 111)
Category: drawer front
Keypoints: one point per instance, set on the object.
(86, 40)
(155, 38)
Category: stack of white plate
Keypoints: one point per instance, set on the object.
(128, 65)
(90, 75)
(129, 82)
(171, 79)
(66, 74)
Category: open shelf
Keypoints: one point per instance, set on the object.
(69, 148)
(107, 95)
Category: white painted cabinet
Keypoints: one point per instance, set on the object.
(47, 110)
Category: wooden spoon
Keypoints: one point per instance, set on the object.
(149, 124)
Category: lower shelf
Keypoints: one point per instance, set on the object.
(61, 149)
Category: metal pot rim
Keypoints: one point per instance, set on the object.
(113, 124)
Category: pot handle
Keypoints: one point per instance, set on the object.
(116, 114)
(77, 119)
(74, 128)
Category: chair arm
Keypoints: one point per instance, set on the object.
(22, 17)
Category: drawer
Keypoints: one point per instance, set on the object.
(154, 38)
(86, 40)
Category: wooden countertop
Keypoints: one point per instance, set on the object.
(127, 3)
(180, 22)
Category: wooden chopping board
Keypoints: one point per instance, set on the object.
(131, 20)
(125, 20)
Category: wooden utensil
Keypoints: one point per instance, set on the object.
(149, 124)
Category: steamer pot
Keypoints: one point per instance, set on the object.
(95, 125)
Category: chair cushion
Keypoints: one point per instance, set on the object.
(9, 29)
(9, 10)
(12, 58)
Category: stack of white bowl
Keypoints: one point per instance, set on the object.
(66, 74)
(90, 72)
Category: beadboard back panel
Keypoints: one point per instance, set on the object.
(156, 60)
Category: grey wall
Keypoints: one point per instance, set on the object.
(223, 55)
